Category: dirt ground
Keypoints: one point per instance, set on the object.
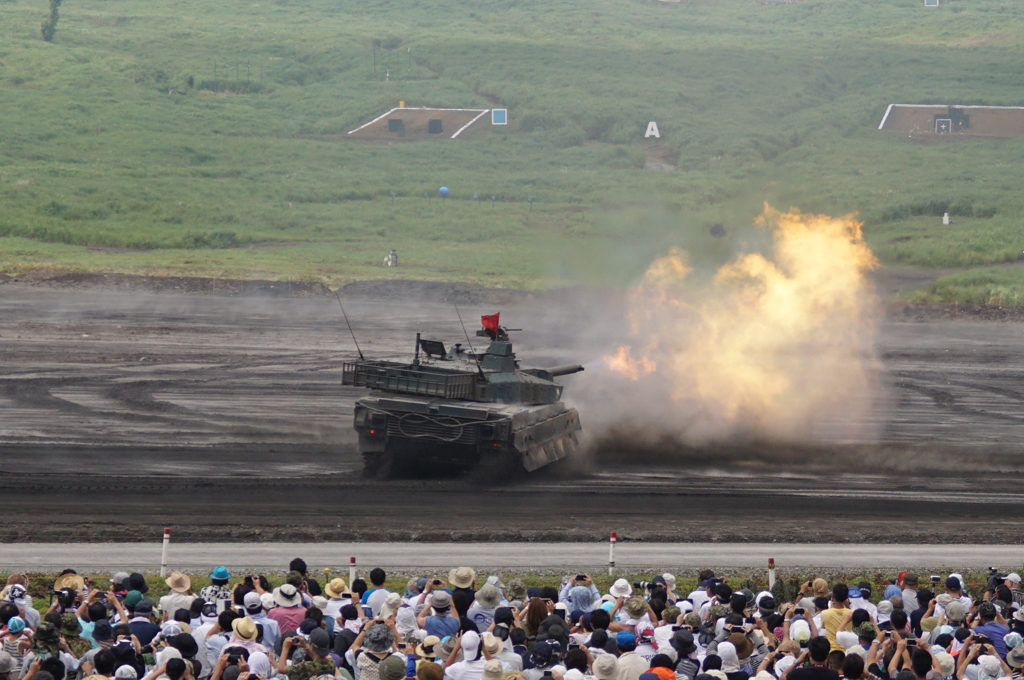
(223, 416)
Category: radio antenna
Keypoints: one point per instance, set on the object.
(471, 348)
(338, 298)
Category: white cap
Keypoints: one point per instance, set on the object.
(1013, 576)
(670, 580)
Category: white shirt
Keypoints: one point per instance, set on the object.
(466, 670)
(376, 600)
(510, 659)
(174, 601)
(860, 603)
(334, 605)
(203, 656)
(698, 597)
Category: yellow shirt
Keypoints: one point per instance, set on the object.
(831, 618)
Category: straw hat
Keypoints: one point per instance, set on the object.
(336, 588)
(245, 628)
(69, 582)
(462, 577)
(178, 582)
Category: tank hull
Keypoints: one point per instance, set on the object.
(401, 435)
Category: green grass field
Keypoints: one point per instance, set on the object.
(208, 138)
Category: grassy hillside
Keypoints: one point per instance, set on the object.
(137, 142)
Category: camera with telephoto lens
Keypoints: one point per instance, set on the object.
(641, 585)
(994, 579)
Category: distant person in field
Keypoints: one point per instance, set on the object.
(392, 259)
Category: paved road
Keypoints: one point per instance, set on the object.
(541, 556)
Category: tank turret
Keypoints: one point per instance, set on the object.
(461, 408)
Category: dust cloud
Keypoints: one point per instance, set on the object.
(776, 347)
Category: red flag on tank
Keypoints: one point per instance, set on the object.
(490, 322)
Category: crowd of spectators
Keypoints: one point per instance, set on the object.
(466, 628)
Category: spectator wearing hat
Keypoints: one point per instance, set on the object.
(687, 663)
(629, 612)
(909, 592)
(546, 655)
(991, 625)
(797, 625)
(606, 667)
(217, 638)
(7, 668)
(631, 665)
(473, 660)
(955, 593)
(375, 642)
(390, 606)
(71, 633)
(439, 618)
(46, 646)
(16, 640)
(1012, 581)
(427, 650)
(375, 596)
(103, 636)
(317, 661)
(464, 579)
(482, 612)
(253, 604)
(338, 595)
(143, 621)
(17, 594)
(989, 664)
(244, 634)
(218, 592)
(180, 596)
(860, 598)
(289, 612)
(494, 648)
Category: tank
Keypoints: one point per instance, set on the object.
(459, 409)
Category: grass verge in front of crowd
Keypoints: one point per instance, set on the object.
(788, 583)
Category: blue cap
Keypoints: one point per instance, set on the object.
(16, 624)
(854, 591)
(220, 573)
(625, 638)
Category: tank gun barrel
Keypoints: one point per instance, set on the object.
(568, 369)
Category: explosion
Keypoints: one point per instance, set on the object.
(774, 348)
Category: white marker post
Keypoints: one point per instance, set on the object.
(771, 572)
(351, 570)
(611, 554)
(163, 553)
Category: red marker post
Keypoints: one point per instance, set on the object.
(351, 570)
(611, 554)
(771, 572)
(163, 553)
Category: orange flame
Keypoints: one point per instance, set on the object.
(776, 343)
(624, 363)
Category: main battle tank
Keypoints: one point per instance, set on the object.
(456, 408)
